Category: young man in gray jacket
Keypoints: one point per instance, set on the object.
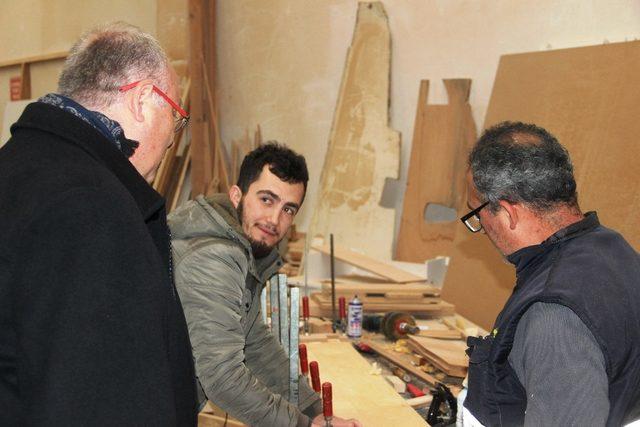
(224, 251)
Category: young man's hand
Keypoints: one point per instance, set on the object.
(319, 421)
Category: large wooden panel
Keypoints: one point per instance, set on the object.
(356, 392)
(363, 151)
(588, 98)
(442, 136)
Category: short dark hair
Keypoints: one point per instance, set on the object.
(521, 162)
(283, 162)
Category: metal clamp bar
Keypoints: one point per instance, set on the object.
(275, 311)
(294, 332)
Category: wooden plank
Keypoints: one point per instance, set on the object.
(441, 141)
(398, 360)
(447, 355)
(201, 156)
(356, 392)
(588, 98)
(25, 81)
(372, 306)
(219, 156)
(181, 180)
(345, 286)
(212, 416)
(363, 151)
(34, 59)
(385, 299)
(369, 263)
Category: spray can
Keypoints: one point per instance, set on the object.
(354, 318)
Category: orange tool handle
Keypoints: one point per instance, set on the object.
(315, 376)
(327, 404)
(415, 391)
(304, 362)
(305, 307)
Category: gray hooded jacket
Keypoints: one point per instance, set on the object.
(239, 364)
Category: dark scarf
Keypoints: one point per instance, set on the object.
(109, 128)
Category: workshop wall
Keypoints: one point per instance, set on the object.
(37, 27)
(281, 61)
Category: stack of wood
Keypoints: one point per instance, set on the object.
(447, 355)
(391, 289)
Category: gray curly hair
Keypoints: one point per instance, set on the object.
(523, 163)
(108, 57)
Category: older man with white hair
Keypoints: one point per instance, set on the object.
(91, 327)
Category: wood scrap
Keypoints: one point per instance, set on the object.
(212, 416)
(420, 401)
(369, 263)
(433, 307)
(447, 355)
(363, 151)
(396, 359)
(442, 137)
(361, 286)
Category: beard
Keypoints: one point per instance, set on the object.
(258, 249)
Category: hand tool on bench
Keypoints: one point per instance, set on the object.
(394, 325)
(444, 407)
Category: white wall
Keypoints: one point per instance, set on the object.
(281, 61)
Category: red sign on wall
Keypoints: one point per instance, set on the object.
(15, 86)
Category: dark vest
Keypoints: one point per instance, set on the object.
(591, 270)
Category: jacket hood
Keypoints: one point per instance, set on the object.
(215, 216)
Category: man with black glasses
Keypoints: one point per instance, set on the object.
(91, 328)
(565, 350)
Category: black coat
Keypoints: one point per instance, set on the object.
(91, 328)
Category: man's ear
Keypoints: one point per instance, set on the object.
(235, 195)
(139, 97)
(512, 213)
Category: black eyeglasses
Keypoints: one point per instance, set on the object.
(472, 220)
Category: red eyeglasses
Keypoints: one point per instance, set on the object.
(180, 121)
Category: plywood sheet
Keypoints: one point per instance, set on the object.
(588, 98)
(363, 151)
(441, 140)
(356, 392)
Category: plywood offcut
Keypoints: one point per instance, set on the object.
(368, 263)
(357, 393)
(442, 137)
(588, 98)
(363, 151)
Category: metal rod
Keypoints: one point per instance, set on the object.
(263, 304)
(284, 312)
(274, 301)
(333, 286)
(294, 332)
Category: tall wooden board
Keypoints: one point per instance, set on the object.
(588, 98)
(363, 151)
(441, 139)
(357, 393)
